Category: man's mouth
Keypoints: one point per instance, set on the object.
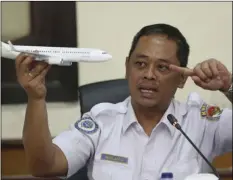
(148, 91)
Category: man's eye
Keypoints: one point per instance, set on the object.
(141, 64)
(163, 67)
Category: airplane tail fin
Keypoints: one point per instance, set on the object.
(6, 51)
(11, 46)
(4, 46)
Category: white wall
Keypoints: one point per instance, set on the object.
(112, 25)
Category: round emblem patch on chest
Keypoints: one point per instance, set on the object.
(86, 125)
(211, 112)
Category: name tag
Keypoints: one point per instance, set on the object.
(118, 159)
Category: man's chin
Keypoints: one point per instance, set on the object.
(146, 102)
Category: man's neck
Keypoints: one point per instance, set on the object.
(148, 117)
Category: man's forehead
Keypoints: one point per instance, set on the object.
(157, 38)
(157, 41)
(156, 46)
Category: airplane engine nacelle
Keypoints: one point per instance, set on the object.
(59, 61)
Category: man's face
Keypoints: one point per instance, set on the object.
(151, 83)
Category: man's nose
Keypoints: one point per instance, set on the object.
(149, 73)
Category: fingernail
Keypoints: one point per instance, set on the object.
(218, 78)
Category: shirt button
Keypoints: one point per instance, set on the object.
(146, 177)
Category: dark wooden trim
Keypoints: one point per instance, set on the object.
(11, 143)
(227, 173)
(52, 24)
(27, 178)
(17, 144)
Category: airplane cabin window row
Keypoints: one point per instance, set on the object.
(36, 51)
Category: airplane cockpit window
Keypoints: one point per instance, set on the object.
(104, 53)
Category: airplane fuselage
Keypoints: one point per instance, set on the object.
(67, 54)
(56, 55)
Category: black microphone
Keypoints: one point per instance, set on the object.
(175, 123)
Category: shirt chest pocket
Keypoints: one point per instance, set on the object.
(184, 168)
(107, 170)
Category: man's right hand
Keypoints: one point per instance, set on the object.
(31, 76)
(44, 158)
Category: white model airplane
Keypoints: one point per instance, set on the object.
(62, 56)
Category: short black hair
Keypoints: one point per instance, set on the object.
(172, 33)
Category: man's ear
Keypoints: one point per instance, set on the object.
(126, 67)
(183, 80)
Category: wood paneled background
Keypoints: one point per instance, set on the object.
(14, 163)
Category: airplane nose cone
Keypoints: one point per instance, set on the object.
(109, 57)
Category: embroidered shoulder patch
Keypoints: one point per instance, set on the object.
(86, 125)
(212, 113)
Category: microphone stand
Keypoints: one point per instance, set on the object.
(175, 123)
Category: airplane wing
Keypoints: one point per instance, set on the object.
(30, 53)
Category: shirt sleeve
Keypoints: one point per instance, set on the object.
(218, 128)
(223, 133)
(78, 143)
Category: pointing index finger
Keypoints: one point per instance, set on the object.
(182, 70)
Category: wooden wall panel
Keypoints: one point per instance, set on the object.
(52, 24)
(223, 161)
(14, 163)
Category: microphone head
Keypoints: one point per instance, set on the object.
(171, 119)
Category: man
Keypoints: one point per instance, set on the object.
(133, 140)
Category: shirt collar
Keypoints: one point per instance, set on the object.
(130, 117)
(164, 120)
(175, 108)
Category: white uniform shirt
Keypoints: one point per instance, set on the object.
(116, 147)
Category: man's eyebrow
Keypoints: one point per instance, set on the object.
(141, 56)
(165, 60)
(144, 56)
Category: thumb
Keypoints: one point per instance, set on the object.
(196, 79)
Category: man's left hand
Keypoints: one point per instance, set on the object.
(210, 75)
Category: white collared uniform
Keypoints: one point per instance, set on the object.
(116, 147)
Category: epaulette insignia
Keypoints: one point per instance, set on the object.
(211, 112)
(86, 125)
